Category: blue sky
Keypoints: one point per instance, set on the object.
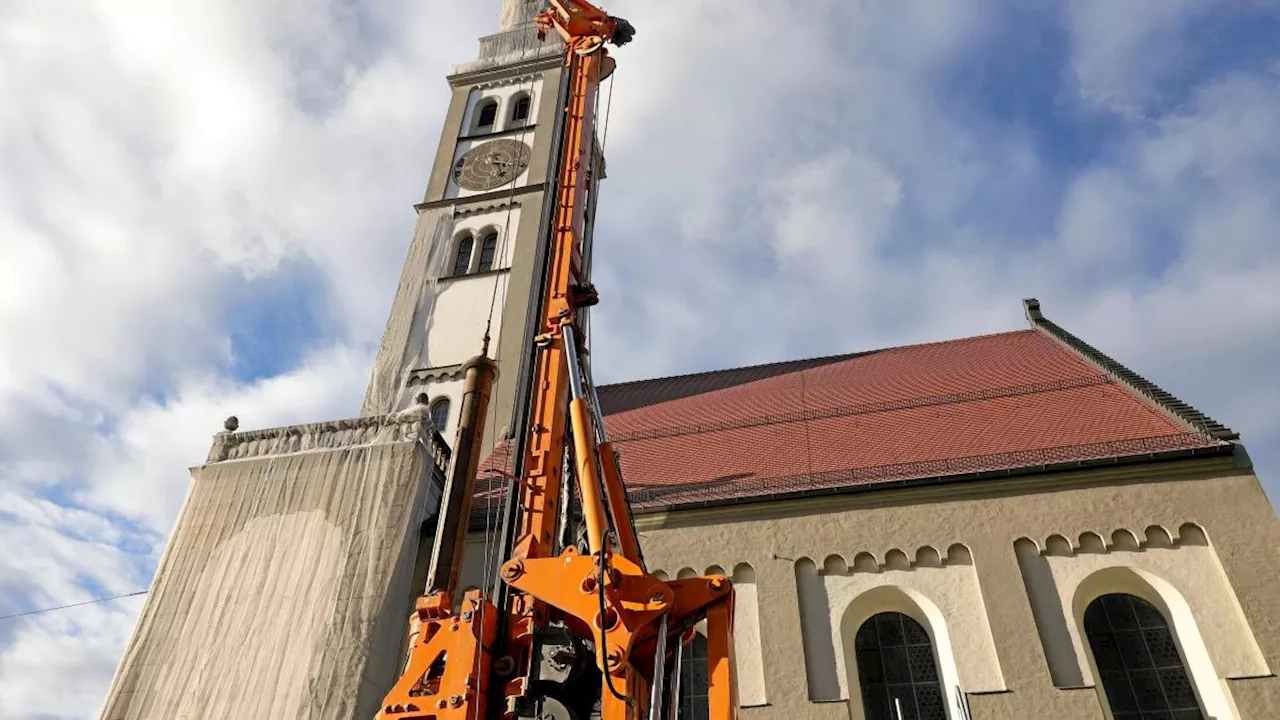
(204, 207)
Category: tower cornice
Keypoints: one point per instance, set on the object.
(481, 72)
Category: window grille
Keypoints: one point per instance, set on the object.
(1142, 673)
(897, 670)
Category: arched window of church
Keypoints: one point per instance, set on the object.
(440, 414)
(487, 115)
(1142, 673)
(694, 680)
(488, 247)
(897, 670)
(462, 261)
(520, 110)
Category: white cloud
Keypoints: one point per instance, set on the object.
(60, 665)
(153, 444)
(812, 201)
(1122, 49)
(51, 552)
(157, 155)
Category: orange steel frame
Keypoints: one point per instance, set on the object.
(452, 656)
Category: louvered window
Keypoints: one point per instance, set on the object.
(488, 247)
(488, 114)
(462, 263)
(520, 110)
(1142, 673)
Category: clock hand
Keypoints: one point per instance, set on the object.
(500, 165)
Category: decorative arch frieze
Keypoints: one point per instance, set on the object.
(1153, 537)
(427, 376)
(506, 82)
(493, 207)
(925, 556)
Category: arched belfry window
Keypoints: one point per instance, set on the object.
(897, 670)
(488, 247)
(1142, 673)
(462, 261)
(520, 110)
(486, 115)
(440, 414)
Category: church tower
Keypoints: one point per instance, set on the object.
(476, 254)
(295, 560)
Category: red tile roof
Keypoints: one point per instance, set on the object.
(996, 402)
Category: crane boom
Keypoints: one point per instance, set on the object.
(577, 629)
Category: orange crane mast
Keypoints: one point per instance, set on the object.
(575, 630)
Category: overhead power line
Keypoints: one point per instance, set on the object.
(72, 605)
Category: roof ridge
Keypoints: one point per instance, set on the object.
(1136, 383)
(819, 359)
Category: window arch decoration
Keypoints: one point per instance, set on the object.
(521, 109)
(1182, 626)
(462, 256)
(440, 414)
(486, 115)
(488, 250)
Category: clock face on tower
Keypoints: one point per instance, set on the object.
(491, 165)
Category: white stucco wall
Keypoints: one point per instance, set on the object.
(748, 645)
(462, 308)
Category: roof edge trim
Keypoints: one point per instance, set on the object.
(1023, 472)
(1171, 405)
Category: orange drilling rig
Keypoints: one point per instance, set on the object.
(574, 628)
